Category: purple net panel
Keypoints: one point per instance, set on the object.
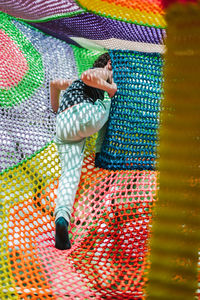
(95, 27)
(27, 121)
(39, 9)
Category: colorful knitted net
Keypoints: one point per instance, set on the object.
(112, 216)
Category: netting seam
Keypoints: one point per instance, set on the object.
(26, 159)
(26, 23)
(55, 17)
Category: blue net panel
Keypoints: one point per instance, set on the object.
(131, 136)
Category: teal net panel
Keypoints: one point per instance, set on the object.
(131, 136)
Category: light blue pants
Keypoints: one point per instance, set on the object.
(72, 127)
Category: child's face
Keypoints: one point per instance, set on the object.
(109, 66)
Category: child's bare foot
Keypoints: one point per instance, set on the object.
(62, 237)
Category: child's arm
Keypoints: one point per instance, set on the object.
(55, 88)
(100, 78)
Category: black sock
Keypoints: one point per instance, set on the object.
(62, 237)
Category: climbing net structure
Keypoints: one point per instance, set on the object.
(112, 215)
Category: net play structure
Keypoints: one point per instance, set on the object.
(135, 221)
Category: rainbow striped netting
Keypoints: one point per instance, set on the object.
(110, 226)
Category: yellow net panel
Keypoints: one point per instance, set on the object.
(145, 12)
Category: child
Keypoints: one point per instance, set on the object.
(82, 112)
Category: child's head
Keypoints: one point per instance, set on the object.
(102, 61)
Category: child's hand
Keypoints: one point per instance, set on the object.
(113, 89)
(61, 84)
(110, 77)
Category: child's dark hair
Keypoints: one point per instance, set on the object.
(101, 61)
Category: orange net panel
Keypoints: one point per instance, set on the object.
(143, 5)
(109, 230)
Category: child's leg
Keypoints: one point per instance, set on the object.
(72, 127)
(71, 157)
(70, 149)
